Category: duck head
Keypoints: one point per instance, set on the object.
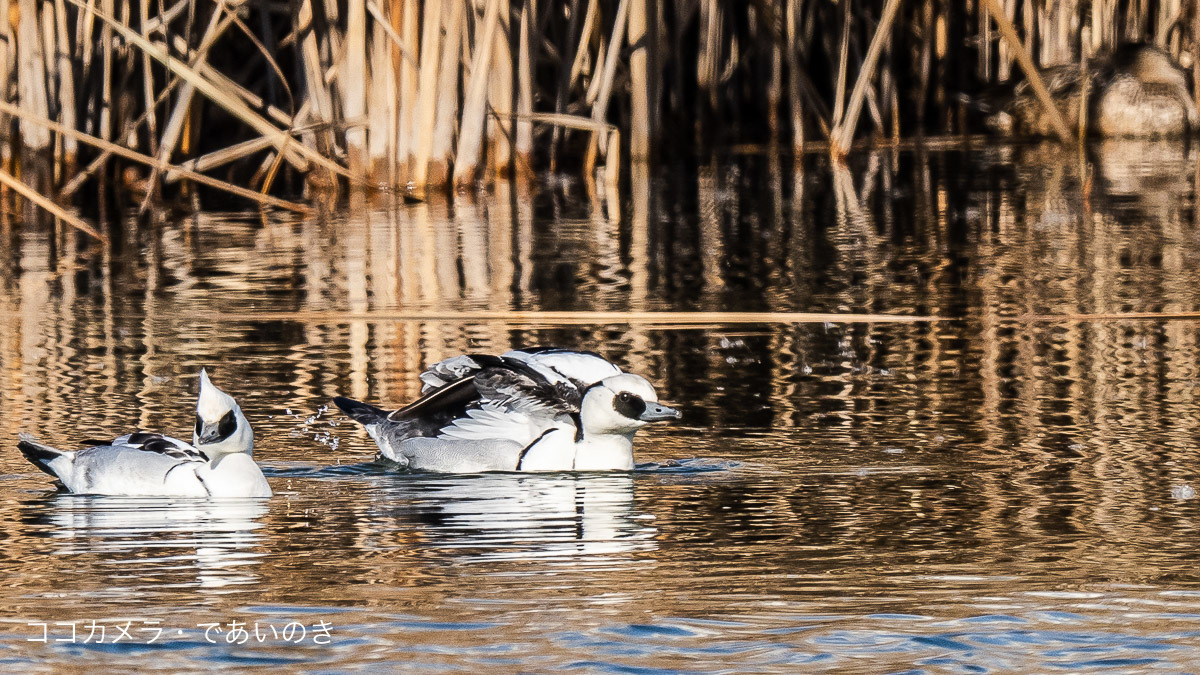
(622, 404)
(221, 428)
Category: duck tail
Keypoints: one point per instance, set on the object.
(363, 413)
(42, 456)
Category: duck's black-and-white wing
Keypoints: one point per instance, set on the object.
(554, 364)
(582, 368)
(160, 444)
(495, 398)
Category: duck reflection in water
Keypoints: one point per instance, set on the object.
(1117, 184)
(522, 517)
(219, 537)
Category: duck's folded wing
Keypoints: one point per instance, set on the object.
(160, 444)
(129, 470)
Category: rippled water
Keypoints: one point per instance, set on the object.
(1006, 483)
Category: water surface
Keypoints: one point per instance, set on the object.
(1007, 484)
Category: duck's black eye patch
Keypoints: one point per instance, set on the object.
(629, 405)
(227, 426)
(225, 429)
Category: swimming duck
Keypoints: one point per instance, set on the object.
(540, 409)
(218, 463)
(1137, 90)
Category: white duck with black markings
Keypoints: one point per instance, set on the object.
(540, 409)
(218, 463)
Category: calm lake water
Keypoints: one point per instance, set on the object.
(1006, 483)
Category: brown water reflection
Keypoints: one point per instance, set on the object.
(1008, 486)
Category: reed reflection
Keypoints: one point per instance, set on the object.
(1068, 429)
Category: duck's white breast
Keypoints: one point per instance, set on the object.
(235, 475)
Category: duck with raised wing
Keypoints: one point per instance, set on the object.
(218, 463)
(540, 409)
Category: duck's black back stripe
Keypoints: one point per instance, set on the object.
(525, 450)
(204, 485)
(577, 420)
(168, 473)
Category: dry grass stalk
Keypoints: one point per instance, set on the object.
(427, 87)
(795, 93)
(839, 89)
(1084, 95)
(7, 59)
(31, 75)
(639, 127)
(119, 151)
(66, 80)
(318, 92)
(470, 140)
(409, 80)
(580, 63)
(524, 141)
(708, 60)
(441, 148)
(221, 157)
(843, 133)
(106, 40)
(612, 164)
(352, 81)
(1035, 79)
(500, 98)
(593, 90)
(600, 108)
(49, 206)
(148, 82)
(382, 112)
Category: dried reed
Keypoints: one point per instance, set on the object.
(372, 95)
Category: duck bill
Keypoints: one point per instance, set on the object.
(657, 412)
(209, 433)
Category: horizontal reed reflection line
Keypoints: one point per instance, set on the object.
(667, 319)
(687, 319)
(1115, 316)
(588, 318)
